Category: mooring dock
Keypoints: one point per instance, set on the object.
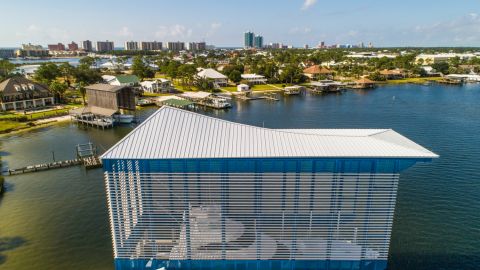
(86, 156)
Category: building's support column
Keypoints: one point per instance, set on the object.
(15, 106)
(43, 102)
(3, 106)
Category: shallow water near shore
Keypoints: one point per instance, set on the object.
(58, 219)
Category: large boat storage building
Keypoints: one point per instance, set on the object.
(188, 191)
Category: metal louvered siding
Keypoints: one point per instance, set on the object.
(250, 216)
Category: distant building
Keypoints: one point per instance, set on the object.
(105, 46)
(249, 40)
(196, 46)
(7, 53)
(30, 50)
(258, 42)
(87, 46)
(430, 59)
(73, 46)
(189, 191)
(176, 46)
(151, 46)
(56, 47)
(131, 46)
(306, 47)
(219, 80)
(18, 93)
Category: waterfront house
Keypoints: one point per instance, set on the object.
(218, 79)
(157, 86)
(317, 72)
(392, 74)
(189, 191)
(254, 78)
(364, 83)
(19, 93)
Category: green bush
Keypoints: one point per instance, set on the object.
(22, 118)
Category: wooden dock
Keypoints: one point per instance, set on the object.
(86, 156)
(88, 163)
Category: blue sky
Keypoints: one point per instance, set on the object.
(222, 23)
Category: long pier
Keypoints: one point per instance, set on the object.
(88, 163)
(86, 156)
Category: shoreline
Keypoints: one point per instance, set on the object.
(39, 124)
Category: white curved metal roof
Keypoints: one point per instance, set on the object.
(172, 133)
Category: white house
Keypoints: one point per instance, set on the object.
(254, 78)
(243, 88)
(157, 86)
(219, 80)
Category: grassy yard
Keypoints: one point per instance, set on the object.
(413, 80)
(7, 126)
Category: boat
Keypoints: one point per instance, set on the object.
(123, 118)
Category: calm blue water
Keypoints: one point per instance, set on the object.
(58, 219)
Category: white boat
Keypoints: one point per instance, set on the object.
(123, 118)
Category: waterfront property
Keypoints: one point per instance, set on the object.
(187, 191)
(364, 83)
(243, 88)
(317, 72)
(254, 78)
(110, 97)
(219, 80)
(157, 86)
(325, 86)
(19, 93)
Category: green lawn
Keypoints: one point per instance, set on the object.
(7, 126)
(10, 116)
(413, 80)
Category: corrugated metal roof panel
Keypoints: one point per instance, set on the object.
(176, 134)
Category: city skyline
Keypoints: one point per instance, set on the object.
(296, 22)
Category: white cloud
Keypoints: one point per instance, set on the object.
(125, 32)
(213, 29)
(308, 4)
(36, 32)
(299, 30)
(173, 31)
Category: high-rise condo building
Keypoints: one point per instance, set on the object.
(151, 46)
(73, 46)
(56, 47)
(105, 46)
(176, 46)
(188, 191)
(87, 46)
(249, 40)
(258, 42)
(131, 46)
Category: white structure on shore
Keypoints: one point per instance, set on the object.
(429, 59)
(157, 86)
(254, 78)
(219, 80)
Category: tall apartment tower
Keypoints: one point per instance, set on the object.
(151, 46)
(131, 46)
(249, 40)
(105, 46)
(188, 191)
(258, 42)
(87, 46)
